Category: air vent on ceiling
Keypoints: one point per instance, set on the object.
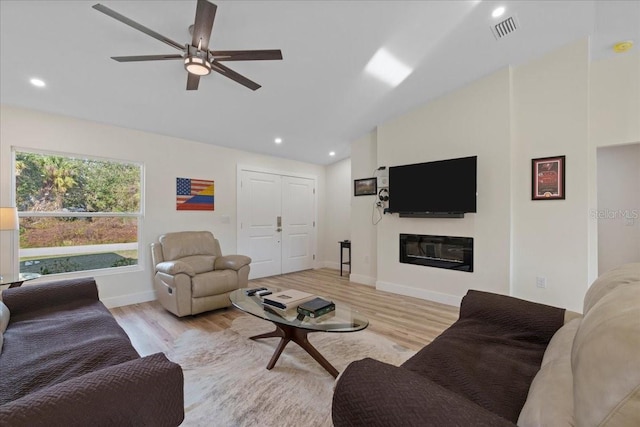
(506, 27)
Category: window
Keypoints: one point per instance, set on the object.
(76, 213)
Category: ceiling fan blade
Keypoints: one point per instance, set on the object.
(139, 27)
(145, 58)
(192, 81)
(228, 72)
(246, 55)
(205, 14)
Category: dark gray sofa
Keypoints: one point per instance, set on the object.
(477, 372)
(507, 361)
(66, 362)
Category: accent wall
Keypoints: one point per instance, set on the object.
(559, 104)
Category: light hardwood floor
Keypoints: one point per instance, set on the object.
(410, 322)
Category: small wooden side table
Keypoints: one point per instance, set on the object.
(345, 244)
(15, 281)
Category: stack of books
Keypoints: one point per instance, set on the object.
(287, 300)
(316, 307)
(305, 303)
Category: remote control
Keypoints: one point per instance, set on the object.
(252, 292)
(263, 293)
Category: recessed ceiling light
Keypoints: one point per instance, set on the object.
(387, 68)
(332, 153)
(278, 140)
(497, 12)
(37, 82)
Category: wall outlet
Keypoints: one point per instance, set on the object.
(541, 282)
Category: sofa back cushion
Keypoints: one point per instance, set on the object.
(623, 275)
(188, 243)
(606, 349)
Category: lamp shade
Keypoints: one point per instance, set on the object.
(9, 219)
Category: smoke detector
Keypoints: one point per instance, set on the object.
(623, 46)
(505, 27)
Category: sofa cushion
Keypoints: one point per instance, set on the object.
(604, 358)
(4, 316)
(498, 340)
(188, 243)
(200, 263)
(550, 398)
(628, 273)
(54, 344)
(373, 393)
(560, 345)
(213, 283)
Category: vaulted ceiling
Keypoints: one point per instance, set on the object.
(317, 99)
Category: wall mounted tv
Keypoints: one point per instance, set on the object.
(444, 188)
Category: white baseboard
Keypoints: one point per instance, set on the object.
(334, 265)
(129, 299)
(419, 293)
(362, 279)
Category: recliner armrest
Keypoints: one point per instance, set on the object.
(231, 262)
(175, 267)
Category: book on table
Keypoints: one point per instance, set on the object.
(316, 307)
(288, 299)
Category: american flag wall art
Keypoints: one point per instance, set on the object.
(194, 194)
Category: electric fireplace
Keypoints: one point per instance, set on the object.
(454, 253)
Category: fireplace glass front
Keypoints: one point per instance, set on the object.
(454, 253)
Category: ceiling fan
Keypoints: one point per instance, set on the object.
(198, 59)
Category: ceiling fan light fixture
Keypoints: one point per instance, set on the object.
(196, 65)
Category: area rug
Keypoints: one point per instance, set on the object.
(227, 383)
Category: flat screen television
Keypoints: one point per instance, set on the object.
(440, 187)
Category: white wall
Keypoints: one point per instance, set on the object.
(364, 252)
(614, 106)
(337, 211)
(559, 104)
(614, 118)
(550, 118)
(618, 210)
(164, 158)
(472, 121)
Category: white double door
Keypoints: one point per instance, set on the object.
(276, 226)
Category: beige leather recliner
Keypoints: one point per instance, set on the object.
(191, 275)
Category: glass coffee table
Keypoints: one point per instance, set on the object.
(15, 281)
(290, 326)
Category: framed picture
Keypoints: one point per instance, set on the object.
(547, 178)
(365, 187)
(194, 194)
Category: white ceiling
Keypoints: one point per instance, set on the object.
(318, 99)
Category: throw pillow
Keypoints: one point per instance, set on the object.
(4, 321)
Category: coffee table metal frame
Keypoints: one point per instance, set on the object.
(293, 327)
